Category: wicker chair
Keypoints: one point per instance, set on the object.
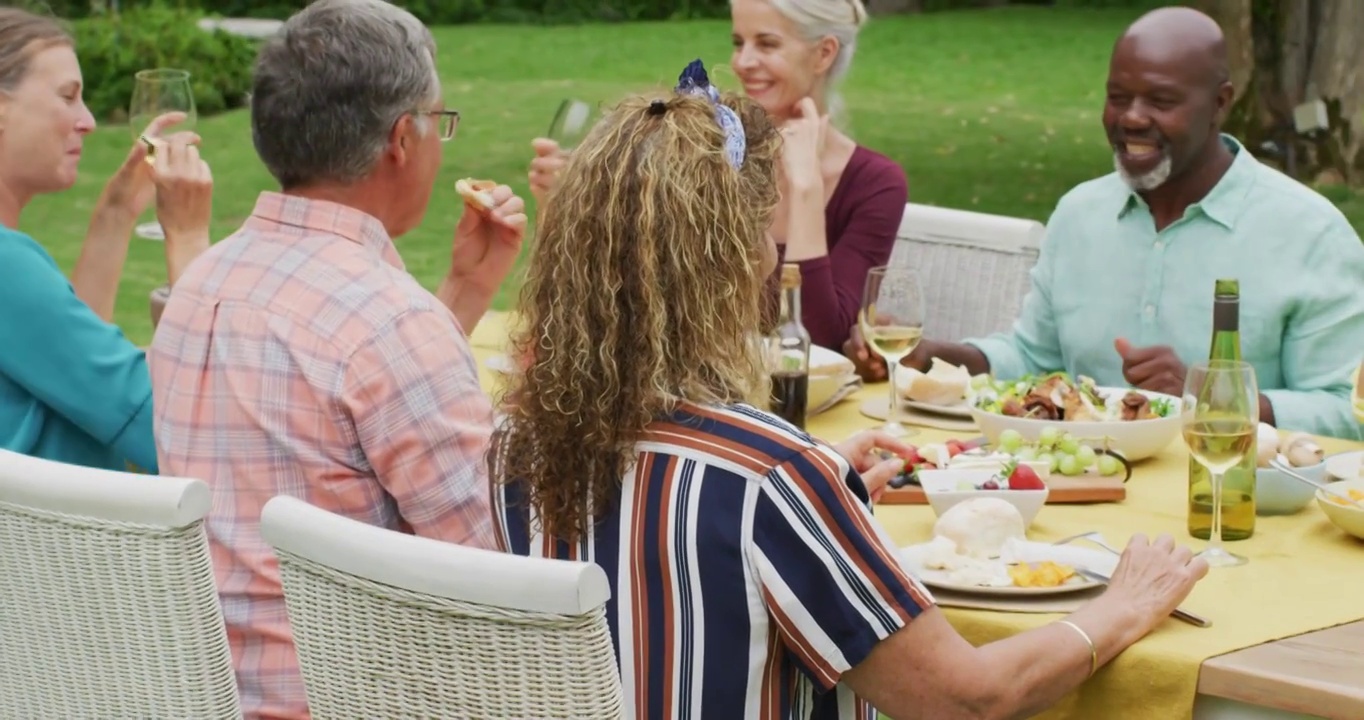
(974, 267)
(391, 625)
(108, 607)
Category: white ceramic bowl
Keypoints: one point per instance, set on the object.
(941, 488)
(1346, 517)
(1278, 494)
(1135, 439)
(829, 371)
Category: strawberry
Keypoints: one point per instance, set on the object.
(1024, 477)
(954, 448)
(914, 458)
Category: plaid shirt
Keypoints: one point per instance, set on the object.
(298, 357)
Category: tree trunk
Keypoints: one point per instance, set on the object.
(1288, 52)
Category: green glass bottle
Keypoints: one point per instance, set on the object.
(1238, 484)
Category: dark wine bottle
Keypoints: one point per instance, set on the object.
(788, 354)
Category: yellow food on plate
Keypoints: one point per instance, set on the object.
(1040, 575)
(478, 192)
(1356, 495)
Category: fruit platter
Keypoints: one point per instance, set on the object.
(1072, 470)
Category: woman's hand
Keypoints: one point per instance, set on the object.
(1154, 577)
(545, 167)
(131, 190)
(184, 200)
(804, 135)
(876, 472)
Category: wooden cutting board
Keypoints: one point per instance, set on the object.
(1080, 489)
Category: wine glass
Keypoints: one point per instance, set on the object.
(1220, 415)
(571, 123)
(155, 93)
(892, 322)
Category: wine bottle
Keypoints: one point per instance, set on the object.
(788, 353)
(1238, 484)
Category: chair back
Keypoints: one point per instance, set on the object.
(393, 625)
(974, 266)
(108, 606)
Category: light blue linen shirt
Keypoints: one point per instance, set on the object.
(1104, 273)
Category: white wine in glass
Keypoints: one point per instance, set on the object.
(892, 323)
(156, 93)
(1221, 411)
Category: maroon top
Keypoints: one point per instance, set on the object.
(861, 221)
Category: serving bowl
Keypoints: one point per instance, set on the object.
(1278, 494)
(1133, 439)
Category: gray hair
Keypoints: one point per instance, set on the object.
(839, 19)
(329, 86)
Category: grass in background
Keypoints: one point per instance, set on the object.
(996, 111)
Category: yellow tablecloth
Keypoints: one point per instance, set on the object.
(1303, 574)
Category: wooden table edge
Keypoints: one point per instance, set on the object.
(1309, 673)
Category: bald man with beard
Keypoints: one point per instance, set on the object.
(1122, 291)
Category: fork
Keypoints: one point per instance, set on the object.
(1097, 539)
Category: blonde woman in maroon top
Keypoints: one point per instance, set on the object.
(841, 203)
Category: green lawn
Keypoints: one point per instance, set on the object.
(996, 111)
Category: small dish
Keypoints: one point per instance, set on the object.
(942, 487)
(1278, 494)
(1348, 518)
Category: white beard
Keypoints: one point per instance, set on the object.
(1147, 182)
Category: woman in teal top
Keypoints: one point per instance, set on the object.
(72, 387)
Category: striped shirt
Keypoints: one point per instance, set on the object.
(747, 572)
(298, 357)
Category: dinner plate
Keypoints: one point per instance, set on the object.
(961, 409)
(913, 556)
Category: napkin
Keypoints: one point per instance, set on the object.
(1099, 561)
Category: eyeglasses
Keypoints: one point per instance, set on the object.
(449, 120)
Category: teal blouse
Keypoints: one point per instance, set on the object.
(72, 387)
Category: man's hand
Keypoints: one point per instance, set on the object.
(487, 241)
(870, 366)
(1154, 368)
(875, 471)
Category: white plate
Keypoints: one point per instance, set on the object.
(961, 410)
(913, 557)
(1345, 466)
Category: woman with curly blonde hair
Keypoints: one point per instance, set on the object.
(749, 579)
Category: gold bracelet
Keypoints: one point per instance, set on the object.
(1093, 651)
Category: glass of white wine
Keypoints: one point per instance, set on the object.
(157, 92)
(892, 323)
(571, 123)
(1221, 411)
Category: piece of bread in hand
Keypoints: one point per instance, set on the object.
(477, 192)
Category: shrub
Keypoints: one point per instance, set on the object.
(112, 48)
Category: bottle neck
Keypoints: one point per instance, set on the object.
(790, 306)
(1226, 333)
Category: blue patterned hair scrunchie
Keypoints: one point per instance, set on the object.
(694, 81)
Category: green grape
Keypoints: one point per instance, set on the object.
(1069, 465)
(1026, 453)
(1109, 465)
(1068, 444)
(1010, 441)
(1048, 437)
(1049, 459)
(1085, 455)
